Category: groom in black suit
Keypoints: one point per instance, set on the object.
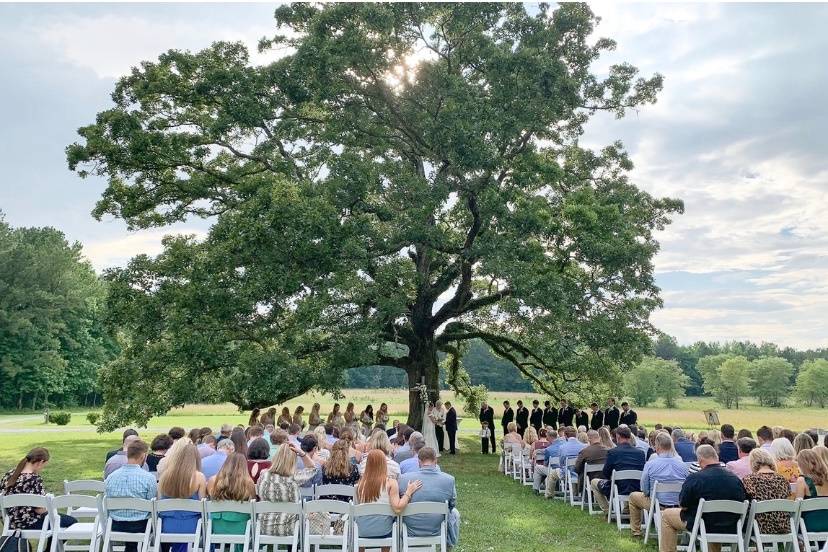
(451, 426)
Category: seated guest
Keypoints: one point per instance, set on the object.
(293, 433)
(376, 487)
(639, 440)
(310, 446)
(569, 451)
(783, 453)
(176, 433)
(788, 434)
(530, 435)
(127, 433)
(606, 437)
(392, 431)
(666, 467)
(712, 483)
(417, 442)
(693, 467)
(436, 487)
(801, 442)
(281, 484)
(822, 452)
(158, 449)
(379, 441)
(542, 441)
(278, 438)
(253, 433)
(728, 451)
(512, 436)
(257, 458)
(764, 436)
(130, 481)
(25, 479)
(204, 432)
(211, 465)
(330, 439)
(120, 459)
(239, 440)
(404, 451)
(207, 446)
(812, 483)
(182, 479)
(744, 433)
(623, 457)
(224, 433)
(541, 471)
(765, 484)
(684, 446)
(194, 436)
(741, 467)
(339, 470)
(594, 453)
(170, 458)
(232, 482)
(348, 435)
(322, 442)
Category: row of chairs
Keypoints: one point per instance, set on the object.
(515, 462)
(95, 525)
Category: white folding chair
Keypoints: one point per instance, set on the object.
(81, 531)
(220, 540)
(652, 517)
(291, 541)
(754, 534)
(429, 541)
(699, 533)
(34, 501)
(571, 482)
(333, 508)
(333, 490)
(555, 464)
(586, 492)
(812, 539)
(192, 540)
(361, 510)
(306, 493)
(618, 500)
(526, 462)
(142, 539)
(516, 462)
(91, 487)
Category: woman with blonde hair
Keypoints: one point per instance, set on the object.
(231, 483)
(764, 483)
(776, 431)
(297, 416)
(379, 441)
(801, 442)
(335, 417)
(783, 453)
(182, 479)
(281, 484)
(322, 441)
(314, 419)
(347, 435)
(512, 436)
(530, 436)
(284, 417)
(606, 438)
(339, 470)
(822, 452)
(171, 455)
(382, 415)
(716, 436)
(349, 415)
(812, 483)
(376, 487)
(582, 437)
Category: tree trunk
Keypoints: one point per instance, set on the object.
(422, 369)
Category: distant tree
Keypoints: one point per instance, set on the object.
(655, 378)
(811, 386)
(732, 381)
(708, 367)
(672, 383)
(770, 379)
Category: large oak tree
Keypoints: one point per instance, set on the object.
(404, 178)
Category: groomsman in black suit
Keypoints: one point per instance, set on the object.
(612, 415)
(536, 416)
(451, 426)
(628, 415)
(487, 415)
(508, 416)
(550, 415)
(597, 420)
(581, 418)
(565, 414)
(522, 417)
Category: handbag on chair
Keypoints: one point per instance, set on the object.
(14, 543)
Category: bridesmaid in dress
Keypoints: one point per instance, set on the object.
(314, 419)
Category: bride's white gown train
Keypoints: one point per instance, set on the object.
(429, 434)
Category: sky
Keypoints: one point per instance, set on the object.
(738, 133)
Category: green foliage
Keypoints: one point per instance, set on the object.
(60, 418)
(811, 383)
(655, 378)
(357, 201)
(770, 380)
(93, 417)
(731, 381)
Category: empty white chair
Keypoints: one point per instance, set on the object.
(333, 490)
(699, 533)
(290, 541)
(110, 536)
(34, 501)
(754, 534)
(432, 542)
(618, 500)
(192, 540)
(812, 539)
(81, 531)
(361, 510)
(571, 482)
(221, 539)
(91, 487)
(652, 518)
(334, 508)
(586, 492)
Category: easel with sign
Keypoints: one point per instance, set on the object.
(712, 417)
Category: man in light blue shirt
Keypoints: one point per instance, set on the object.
(131, 481)
(684, 446)
(542, 471)
(569, 449)
(417, 443)
(437, 487)
(211, 465)
(665, 466)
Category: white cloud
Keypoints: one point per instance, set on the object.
(117, 251)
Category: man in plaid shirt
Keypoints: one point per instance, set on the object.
(131, 481)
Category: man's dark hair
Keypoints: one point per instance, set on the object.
(407, 432)
(255, 431)
(284, 425)
(633, 429)
(765, 433)
(535, 402)
(625, 403)
(623, 433)
(259, 449)
(136, 449)
(542, 432)
(744, 433)
(329, 429)
(570, 431)
(728, 431)
(308, 442)
(593, 405)
(505, 403)
(161, 442)
(746, 444)
(658, 426)
(294, 428)
(668, 429)
(547, 404)
(427, 454)
(705, 441)
(176, 433)
(813, 434)
(789, 434)
(127, 433)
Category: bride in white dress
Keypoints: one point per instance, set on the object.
(429, 434)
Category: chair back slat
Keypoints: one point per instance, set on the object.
(776, 505)
(138, 504)
(214, 506)
(332, 489)
(570, 462)
(17, 500)
(360, 510)
(813, 504)
(74, 501)
(266, 507)
(624, 475)
(330, 506)
(664, 487)
(180, 504)
(724, 507)
(84, 486)
(425, 508)
(592, 468)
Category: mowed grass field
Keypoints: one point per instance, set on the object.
(497, 513)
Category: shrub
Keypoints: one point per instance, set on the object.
(93, 417)
(60, 418)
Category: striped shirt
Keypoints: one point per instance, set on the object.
(130, 481)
